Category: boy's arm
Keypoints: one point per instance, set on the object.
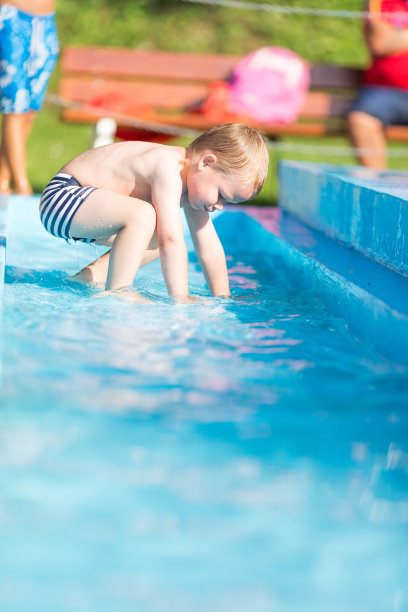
(209, 251)
(166, 194)
(383, 38)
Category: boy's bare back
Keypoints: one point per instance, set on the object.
(129, 168)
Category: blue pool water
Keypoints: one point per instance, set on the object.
(244, 454)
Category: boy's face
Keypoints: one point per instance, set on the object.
(209, 189)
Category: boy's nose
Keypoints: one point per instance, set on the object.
(218, 206)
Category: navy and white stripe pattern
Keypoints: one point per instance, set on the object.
(59, 202)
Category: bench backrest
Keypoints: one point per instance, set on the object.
(174, 81)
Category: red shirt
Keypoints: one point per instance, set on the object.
(390, 70)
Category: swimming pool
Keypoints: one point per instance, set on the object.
(247, 454)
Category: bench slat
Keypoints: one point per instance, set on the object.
(165, 95)
(157, 95)
(329, 76)
(194, 121)
(198, 122)
(320, 105)
(131, 63)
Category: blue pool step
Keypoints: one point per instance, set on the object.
(345, 230)
(364, 208)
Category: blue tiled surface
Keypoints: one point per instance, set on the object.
(366, 209)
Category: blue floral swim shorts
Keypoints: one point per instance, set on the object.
(28, 52)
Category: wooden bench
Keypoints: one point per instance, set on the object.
(167, 85)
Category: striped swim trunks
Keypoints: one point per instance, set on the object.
(59, 202)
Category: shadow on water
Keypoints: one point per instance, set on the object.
(50, 279)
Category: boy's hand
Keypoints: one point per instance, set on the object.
(194, 299)
(185, 299)
(125, 294)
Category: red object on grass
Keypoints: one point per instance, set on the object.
(117, 103)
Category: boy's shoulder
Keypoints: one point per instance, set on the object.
(165, 159)
(170, 152)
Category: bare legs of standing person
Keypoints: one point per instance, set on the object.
(14, 134)
(367, 136)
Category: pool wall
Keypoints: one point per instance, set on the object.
(345, 231)
(364, 208)
(3, 238)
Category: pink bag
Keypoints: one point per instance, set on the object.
(269, 85)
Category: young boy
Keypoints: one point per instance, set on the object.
(128, 195)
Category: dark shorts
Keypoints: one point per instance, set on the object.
(388, 104)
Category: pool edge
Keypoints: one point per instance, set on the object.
(364, 208)
(369, 319)
(3, 237)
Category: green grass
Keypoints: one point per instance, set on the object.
(180, 26)
(176, 25)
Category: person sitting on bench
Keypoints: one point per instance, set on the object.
(383, 99)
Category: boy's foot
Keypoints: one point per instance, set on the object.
(95, 273)
(85, 277)
(124, 294)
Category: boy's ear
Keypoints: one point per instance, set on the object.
(207, 159)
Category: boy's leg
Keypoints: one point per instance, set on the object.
(96, 272)
(106, 212)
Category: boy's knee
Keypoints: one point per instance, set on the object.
(143, 215)
(149, 216)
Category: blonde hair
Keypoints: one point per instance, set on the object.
(240, 149)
